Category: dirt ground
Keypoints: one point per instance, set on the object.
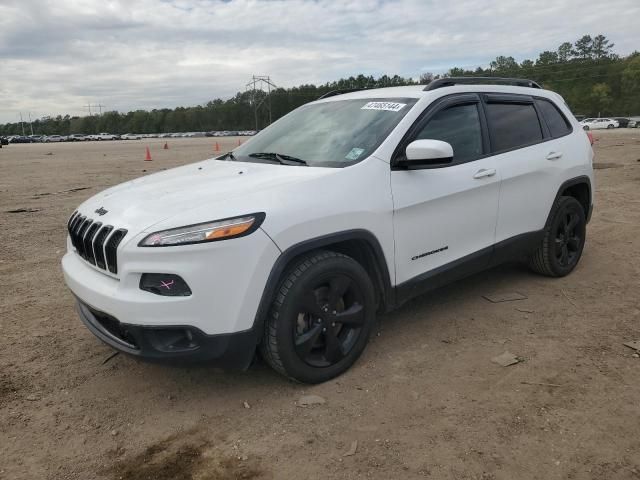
(424, 401)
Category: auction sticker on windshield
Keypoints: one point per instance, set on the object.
(354, 153)
(388, 106)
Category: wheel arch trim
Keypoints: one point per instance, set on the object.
(287, 256)
(582, 179)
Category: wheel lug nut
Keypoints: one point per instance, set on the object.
(324, 329)
(333, 324)
(334, 312)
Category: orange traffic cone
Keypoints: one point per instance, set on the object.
(239, 142)
(216, 148)
(148, 157)
(166, 146)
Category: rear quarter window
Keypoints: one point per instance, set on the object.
(513, 125)
(556, 121)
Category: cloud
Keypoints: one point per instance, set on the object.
(56, 56)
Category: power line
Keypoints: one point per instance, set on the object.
(262, 81)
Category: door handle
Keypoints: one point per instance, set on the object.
(485, 172)
(554, 155)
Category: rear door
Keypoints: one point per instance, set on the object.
(529, 158)
(445, 211)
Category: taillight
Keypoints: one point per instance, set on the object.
(590, 135)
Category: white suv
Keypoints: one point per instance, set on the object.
(347, 206)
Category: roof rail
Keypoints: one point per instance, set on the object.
(333, 93)
(450, 81)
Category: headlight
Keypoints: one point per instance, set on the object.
(205, 232)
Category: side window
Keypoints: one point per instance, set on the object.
(513, 125)
(459, 126)
(556, 121)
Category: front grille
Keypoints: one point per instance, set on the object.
(95, 243)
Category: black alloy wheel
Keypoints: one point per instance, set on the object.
(329, 321)
(568, 240)
(563, 240)
(320, 319)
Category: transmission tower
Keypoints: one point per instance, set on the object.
(260, 83)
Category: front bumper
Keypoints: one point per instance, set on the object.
(178, 344)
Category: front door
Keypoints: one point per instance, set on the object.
(446, 213)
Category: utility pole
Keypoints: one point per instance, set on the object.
(89, 107)
(259, 83)
(30, 124)
(100, 107)
(21, 124)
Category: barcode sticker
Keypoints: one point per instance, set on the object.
(388, 106)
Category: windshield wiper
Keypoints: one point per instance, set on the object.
(229, 156)
(279, 157)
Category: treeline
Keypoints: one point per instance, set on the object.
(592, 79)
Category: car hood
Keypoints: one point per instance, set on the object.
(218, 188)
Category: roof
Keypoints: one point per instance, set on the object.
(417, 91)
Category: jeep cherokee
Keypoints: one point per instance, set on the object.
(350, 205)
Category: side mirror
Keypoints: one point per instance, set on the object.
(427, 154)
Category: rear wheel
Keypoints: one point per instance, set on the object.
(321, 318)
(610, 125)
(563, 241)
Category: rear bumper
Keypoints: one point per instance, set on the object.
(179, 344)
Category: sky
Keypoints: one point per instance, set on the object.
(58, 56)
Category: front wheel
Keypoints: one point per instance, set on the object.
(610, 125)
(563, 240)
(321, 318)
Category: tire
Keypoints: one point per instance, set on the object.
(610, 126)
(321, 318)
(563, 240)
(586, 127)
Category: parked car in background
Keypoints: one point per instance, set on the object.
(36, 138)
(130, 136)
(20, 139)
(634, 122)
(54, 138)
(76, 137)
(622, 121)
(598, 123)
(105, 136)
(4, 141)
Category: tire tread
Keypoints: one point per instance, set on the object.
(540, 262)
(269, 344)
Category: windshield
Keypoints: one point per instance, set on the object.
(328, 134)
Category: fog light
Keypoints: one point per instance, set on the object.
(165, 284)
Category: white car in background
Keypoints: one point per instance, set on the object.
(55, 138)
(130, 136)
(599, 123)
(104, 136)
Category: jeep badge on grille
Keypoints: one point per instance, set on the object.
(101, 211)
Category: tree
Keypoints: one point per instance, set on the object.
(600, 98)
(564, 52)
(547, 58)
(583, 48)
(425, 78)
(527, 64)
(601, 47)
(504, 64)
